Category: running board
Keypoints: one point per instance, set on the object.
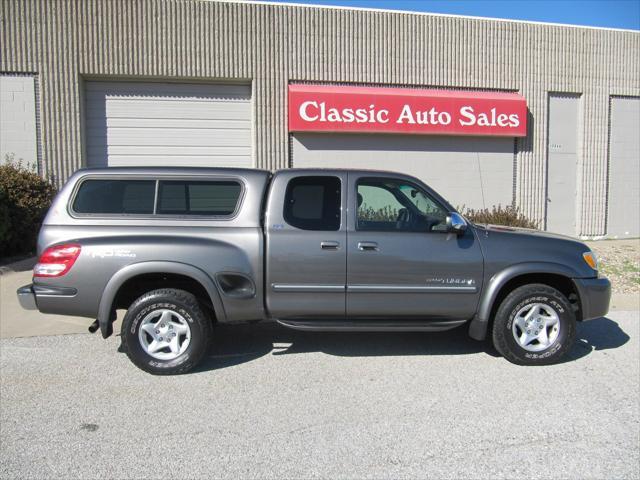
(371, 325)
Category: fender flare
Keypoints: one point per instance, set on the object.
(135, 269)
(480, 322)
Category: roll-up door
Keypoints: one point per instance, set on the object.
(168, 124)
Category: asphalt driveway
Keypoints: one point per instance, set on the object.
(275, 403)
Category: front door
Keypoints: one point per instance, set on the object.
(401, 262)
(306, 245)
(562, 162)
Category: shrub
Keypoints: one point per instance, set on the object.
(498, 215)
(4, 217)
(25, 197)
(384, 214)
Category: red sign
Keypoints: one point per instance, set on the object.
(322, 108)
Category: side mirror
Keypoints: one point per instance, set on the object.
(456, 223)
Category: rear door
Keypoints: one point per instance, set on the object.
(401, 261)
(306, 245)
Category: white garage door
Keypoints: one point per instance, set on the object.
(476, 172)
(168, 124)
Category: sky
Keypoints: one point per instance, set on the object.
(596, 13)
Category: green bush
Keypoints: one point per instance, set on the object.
(498, 215)
(4, 216)
(25, 198)
(384, 214)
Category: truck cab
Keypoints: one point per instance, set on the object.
(374, 249)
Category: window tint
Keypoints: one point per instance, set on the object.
(393, 205)
(313, 203)
(215, 198)
(115, 197)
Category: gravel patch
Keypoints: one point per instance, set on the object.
(620, 262)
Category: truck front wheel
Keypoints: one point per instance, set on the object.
(534, 325)
(166, 332)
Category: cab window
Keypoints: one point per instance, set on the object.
(390, 205)
(313, 203)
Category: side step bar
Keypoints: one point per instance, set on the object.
(371, 325)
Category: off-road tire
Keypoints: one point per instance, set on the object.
(181, 302)
(503, 338)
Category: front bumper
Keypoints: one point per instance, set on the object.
(595, 295)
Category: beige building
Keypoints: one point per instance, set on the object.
(192, 82)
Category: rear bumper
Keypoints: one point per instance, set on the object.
(27, 298)
(595, 295)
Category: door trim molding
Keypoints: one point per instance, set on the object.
(409, 289)
(307, 288)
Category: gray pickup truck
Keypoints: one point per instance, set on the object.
(182, 249)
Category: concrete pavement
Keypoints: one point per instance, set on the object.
(275, 403)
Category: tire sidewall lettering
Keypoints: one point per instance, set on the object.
(546, 300)
(135, 324)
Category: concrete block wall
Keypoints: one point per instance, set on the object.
(66, 42)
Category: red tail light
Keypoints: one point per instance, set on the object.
(56, 261)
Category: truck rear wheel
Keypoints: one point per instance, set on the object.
(534, 325)
(166, 332)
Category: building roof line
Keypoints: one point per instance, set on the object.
(413, 12)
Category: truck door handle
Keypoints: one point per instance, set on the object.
(329, 245)
(368, 246)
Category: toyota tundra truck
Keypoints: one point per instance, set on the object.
(184, 249)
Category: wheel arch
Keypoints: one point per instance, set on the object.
(115, 293)
(554, 275)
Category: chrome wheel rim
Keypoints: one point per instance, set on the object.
(536, 327)
(164, 334)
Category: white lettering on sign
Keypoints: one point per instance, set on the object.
(424, 117)
(487, 120)
(312, 111)
(303, 112)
